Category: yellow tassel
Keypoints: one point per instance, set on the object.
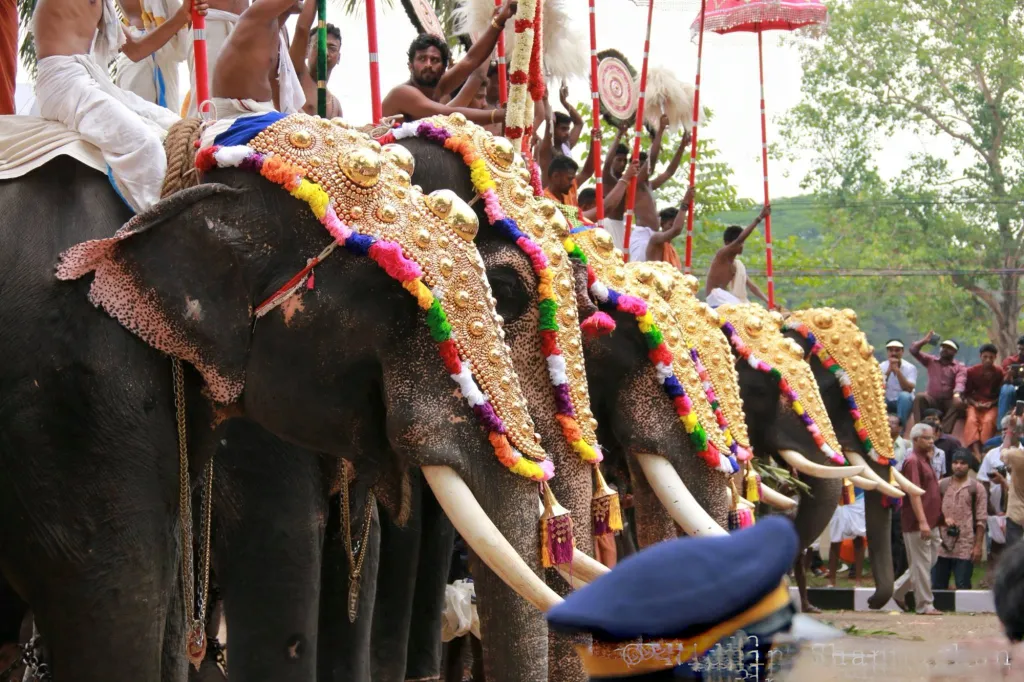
(605, 506)
(753, 486)
(557, 541)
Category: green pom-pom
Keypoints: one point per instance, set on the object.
(654, 338)
(775, 374)
(437, 321)
(548, 307)
(699, 438)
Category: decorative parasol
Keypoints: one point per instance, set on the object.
(758, 16)
(424, 18)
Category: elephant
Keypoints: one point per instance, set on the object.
(236, 239)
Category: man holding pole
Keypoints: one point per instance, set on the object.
(304, 58)
(430, 79)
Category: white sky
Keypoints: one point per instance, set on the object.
(730, 80)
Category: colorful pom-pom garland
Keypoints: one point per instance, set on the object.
(844, 382)
(548, 305)
(661, 356)
(744, 351)
(390, 257)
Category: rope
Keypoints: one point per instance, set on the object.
(180, 149)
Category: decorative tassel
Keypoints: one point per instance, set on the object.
(556, 532)
(598, 324)
(605, 507)
(740, 518)
(753, 486)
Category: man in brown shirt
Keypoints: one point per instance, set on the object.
(965, 520)
(947, 378)
(920, 524)
(981, 393)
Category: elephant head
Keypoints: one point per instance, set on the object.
(303, 329)
(534, 290)
(852, 388)
(656, 424)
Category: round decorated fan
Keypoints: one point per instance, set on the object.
(424, 19)
(617, 86)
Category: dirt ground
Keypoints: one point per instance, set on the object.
(902, 646)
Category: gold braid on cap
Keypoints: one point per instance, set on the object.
(756, 335)
(844, 350)
(361, 193)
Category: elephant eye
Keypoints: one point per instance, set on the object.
(509, 292)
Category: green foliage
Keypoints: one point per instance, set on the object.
(950, 74)
(27, 49)
(715, 191)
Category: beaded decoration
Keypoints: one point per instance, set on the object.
(599, 242)
(859, 375)
(758, 323)
(341, 172)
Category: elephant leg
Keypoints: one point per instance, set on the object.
(812, 517)
(397, 572)
(878, 521)
(437, 540)
(268, 515)
(344, 646)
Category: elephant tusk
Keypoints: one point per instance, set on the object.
(574, 579)
(483, 536)
(863, 483)
(776, 499)
(806, 466)
(678, 501)
(744, 502)
(585, 569)
(905, 484)
(869, 473)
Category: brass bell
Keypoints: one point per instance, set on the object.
(501, 151)
(360, 165)
(401, 157)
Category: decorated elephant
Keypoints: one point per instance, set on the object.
(208, 277)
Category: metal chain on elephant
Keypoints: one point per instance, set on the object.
(195, 625)
(355, 565)
(35, 669)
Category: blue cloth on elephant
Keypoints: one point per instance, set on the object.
(242, 130)
(659, 613)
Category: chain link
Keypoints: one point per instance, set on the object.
(355, 564)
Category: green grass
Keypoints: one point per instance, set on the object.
(867, 580)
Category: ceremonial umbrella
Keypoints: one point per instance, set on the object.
(758, 16)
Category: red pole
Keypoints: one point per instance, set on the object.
(631, 196)
(202, 93)
(693, 143)
(502, 69)
(595, 133)
(764, 166)
(371, 41)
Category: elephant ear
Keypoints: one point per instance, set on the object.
(179, 288)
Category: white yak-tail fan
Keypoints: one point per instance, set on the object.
(668, 95)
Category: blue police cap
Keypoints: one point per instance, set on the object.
(682, 588)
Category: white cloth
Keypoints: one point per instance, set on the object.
(939, 463)
(639, 237)
(29, 142)
(237, 108)
(128, 130)
(892, 384)
(156, 78)
(290, 95)
(848, 521)
(997, 527)
(738, 284)
(719, 297)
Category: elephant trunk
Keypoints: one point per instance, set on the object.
(816, 507)
(512, 597)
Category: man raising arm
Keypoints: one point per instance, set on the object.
(303, 53)
(430, 79)
(659, 240)
(727, 276)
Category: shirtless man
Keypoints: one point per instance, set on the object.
(645, 209)
(244, 78)
(304, 58)
(74, 88)
(431, 79)
(727, 276)
(561, 134)
(153, 78)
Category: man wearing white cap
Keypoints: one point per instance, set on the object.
(947, 378)
(900, 381)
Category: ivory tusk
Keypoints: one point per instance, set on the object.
(863, 483)
(776, 499)
(678, 501)
(883, 486)
(744, 502)
(806, 466)
(483, 536)
(905, 485)
(574, 579)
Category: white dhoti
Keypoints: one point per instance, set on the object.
(156, 78)
(237, 108)
(639, 238)
(719, 297)
(76, 91)
(848, 521)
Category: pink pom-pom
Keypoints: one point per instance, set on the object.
(598, 324)
(389, 256)
(632, 305)
(492, 207)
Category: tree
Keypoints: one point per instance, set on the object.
(950, 73)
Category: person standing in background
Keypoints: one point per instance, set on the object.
(964, 522)
(981, 393)
(920, 524)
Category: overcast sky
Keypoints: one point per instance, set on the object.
(730, 81)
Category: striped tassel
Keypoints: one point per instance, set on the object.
(740, 518)
(556, 532)
(605, 507)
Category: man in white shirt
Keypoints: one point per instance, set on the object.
(900, 381)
